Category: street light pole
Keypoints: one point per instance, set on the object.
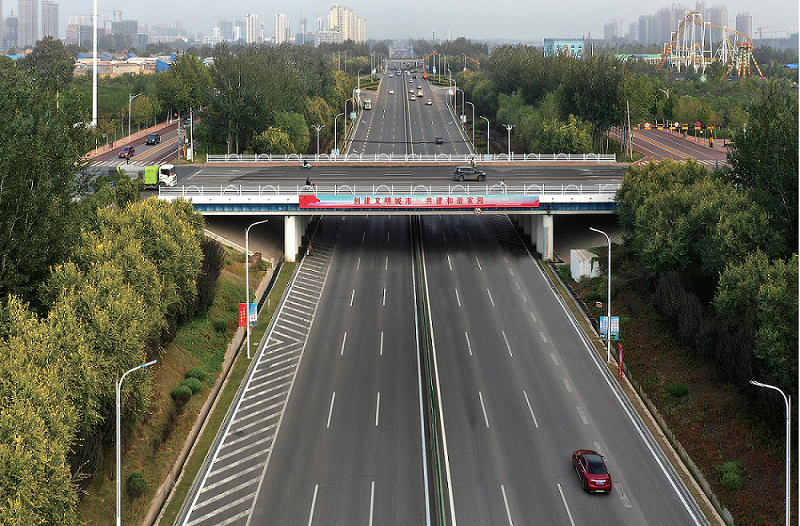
(473, 123)
(508, 127)
(318, 127)
(247, 278)
(465, 61)
(487, 134)
(119, 439)
(608, 331)
(130, 98)
(335, 131)
(358, 74)
(787, 401)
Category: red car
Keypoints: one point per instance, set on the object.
(592, 470)
(127, 152)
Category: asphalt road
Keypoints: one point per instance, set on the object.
(521, 390)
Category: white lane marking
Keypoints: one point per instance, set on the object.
(358, 265)
(387, 237)
(564, 500)
(544, 338)
(479, 263)
(386, 265)
(468, 344)
(533, 317)
(352, 296)
(567, 385)
(505, 500)
(485, 418)
(582, 415)
(622, 496)
(517, 284)
(377, 408)
(507, 345)
(330, 411)
(381, 343)
(555, 360)
(313, 503)
(449, 263)
(371, 502)
(490, 297)
(457, 298)
(510, 272)
(384, 296)
(469, 237)
(530, 409)
(362, 236)
(444, 236)
(343, 341)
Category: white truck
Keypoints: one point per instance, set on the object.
(154, 176)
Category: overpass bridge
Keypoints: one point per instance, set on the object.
(532, 206)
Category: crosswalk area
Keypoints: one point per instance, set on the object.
(228, 486)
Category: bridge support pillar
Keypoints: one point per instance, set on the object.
(292, 237)
(544, 237)
(527, 224)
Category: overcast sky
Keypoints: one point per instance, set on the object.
(515, 20)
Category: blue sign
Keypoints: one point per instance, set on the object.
(252, 314)
(614, 327)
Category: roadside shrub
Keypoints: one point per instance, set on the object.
(220, 325)
(677, 390)
(194, 384)
(198, 373)
(136, 485)
(181, 394)
(730, 474)
(169, 424)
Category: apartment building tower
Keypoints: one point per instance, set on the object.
(49, 19)
(28, 23)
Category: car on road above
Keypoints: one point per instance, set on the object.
(127, 152)
(591, 470)
(419, 87)
(468, 172)
(438, 140)
(153, 138)
(420, 93)
(429, 102)
(413, 97)
(391, 92)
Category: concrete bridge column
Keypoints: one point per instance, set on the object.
(536, 232)
(292, 235)
(527, 224)
(546, 233)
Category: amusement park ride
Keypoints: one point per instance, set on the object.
(690, 46)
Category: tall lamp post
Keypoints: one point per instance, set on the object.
(608, 331)
(119, 439)
(358, 74)
(787, 401)
(247, 278)
(487, 134)
(130, 98)
(508, 127)
(318, 127)
(335, 131)
(465, 61)
(473, 122)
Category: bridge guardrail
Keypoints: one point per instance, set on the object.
(288, 191)
(416, 158)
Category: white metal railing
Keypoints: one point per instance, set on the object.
(416, 158)
(284, 193)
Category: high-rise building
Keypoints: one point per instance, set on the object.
(345, 21)
(744, 24)
(252, 28)
(28, 30)
(125, 27)
(49, 19)
(281, 29)
(716, 15)
(226, 30)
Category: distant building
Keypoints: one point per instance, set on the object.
(716, 15)
(329, 37)
(226, 29)
(572, 47)
(281, 29)
(251, 29)
(125, 27)
(744, 24)
(10, 36)
(49, 19)
(28, 30)
(345, 21)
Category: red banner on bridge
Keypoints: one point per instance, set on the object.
(396, 202)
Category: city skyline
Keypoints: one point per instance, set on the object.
(777, 19)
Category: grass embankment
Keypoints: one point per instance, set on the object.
(152, 446)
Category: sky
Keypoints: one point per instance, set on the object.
(516, 21)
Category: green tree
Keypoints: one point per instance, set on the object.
(764, 159)
(186, 84)
(273, 141)
(565, 137)
(294, 124)
(51, 64)
(40, 162)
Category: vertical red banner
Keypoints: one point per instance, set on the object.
(243, 315)
(620, 363)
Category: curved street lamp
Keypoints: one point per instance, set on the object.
(318, 127)
(130, 98)
(247, 278)
(608, 331)
(487, 134)
(508, 127)
(119, 439)
(335, 132)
